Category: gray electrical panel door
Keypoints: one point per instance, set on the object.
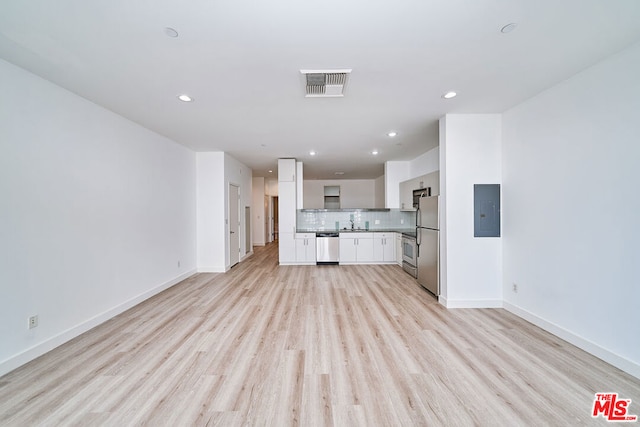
(486, 210)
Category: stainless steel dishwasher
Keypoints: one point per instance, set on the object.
(327, 248)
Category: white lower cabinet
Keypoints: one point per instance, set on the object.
(287, 248)
(347, 250)
(384, 247)
(356, 248)
(305, 248)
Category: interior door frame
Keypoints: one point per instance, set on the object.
(234, 225)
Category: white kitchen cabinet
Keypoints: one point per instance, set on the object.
(365, 249)
(287, 207)
(286, 248)
(406, 195)
(356, 248)
(286, 170)
(299, 186)
(384, 247)
(399, 249)
(305, 248)
(347, 250)
(287, 217)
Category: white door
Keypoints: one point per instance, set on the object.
(234, 225)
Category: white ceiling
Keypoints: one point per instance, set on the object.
(240, 61)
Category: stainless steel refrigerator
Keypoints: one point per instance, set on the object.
(428, 242)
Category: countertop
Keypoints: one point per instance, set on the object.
(406, 231)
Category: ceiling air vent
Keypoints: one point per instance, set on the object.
(325, 83)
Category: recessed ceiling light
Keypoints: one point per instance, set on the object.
(392, 134)
(338, 173)
(374, 152)
(508, 28)
(312, 153)
(449, 95)
(270, 171)
(170, 32)
(185, 98)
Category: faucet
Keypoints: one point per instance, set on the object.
(351, 221)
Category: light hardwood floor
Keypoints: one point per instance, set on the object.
(310, 346)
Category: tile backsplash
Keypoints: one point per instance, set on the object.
(309, 219)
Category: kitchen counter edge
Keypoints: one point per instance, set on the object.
(405, 231)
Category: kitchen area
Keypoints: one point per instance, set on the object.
(326, 228)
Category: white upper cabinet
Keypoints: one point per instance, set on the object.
(286, 170)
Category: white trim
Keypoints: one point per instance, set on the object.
(602, 353)
(472, 303)
(38, 350)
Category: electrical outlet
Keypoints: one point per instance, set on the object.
(402, 221)
(515, 287)
(178, 264)
(377, 222)
(33, 321)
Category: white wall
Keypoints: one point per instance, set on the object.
(211, 231)
(271, 187)
(95, 214)
(354, 193)
(571, 203)
(470, 153)
(216, 170)
(238, 174)
(425, 164)
(394, 173)
(258, 211)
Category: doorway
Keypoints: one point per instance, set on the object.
(247, 230)
(267, 220)
(234, 225)
(274, 206)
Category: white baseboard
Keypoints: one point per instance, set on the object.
(479, 303)
(38, 350)
(618, 361)
(212, 270)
